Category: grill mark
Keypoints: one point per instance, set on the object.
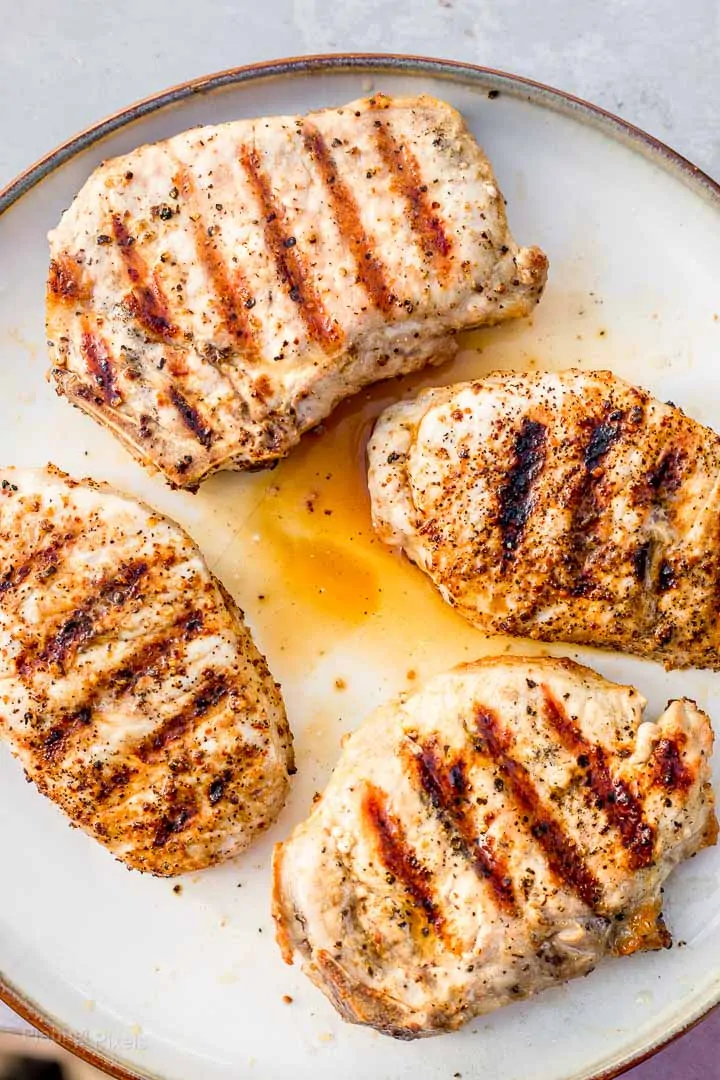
(563, 856)
(118, 680)
(192, 419)
(289, 262)
(66, 280)
(147, 302)
(100, 366)
(65, 642)
(587, 502)
(369, 267)
(515, 499)
(667, 476)
(43, 563)
(406, 180)
(446, 788)
(668, 769)
(212, 691)
(398, 856)
(229, 288)
(602, 438)
(623, 810)
(175, 821)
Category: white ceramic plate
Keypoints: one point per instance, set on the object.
(190, 985)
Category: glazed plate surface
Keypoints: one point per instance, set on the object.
(189, 984)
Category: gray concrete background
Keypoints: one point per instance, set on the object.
(67, 63)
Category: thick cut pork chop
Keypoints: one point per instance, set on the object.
(131, 689)
(503, 829)
(567, 507)
(213, 296)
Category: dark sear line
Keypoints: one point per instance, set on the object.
(369, 267)
(66, 281)
(175, 821)
(668, 769)
(99, 363)
(289, 262)
(211, 692)
(587, 502)
(150, 658)
(397, 855)
(447, 790)
(516, 495)
(191, 418)
(43, 562)
(623, 810)
(146, 302)
(406, 180)
(563, 856)
(668, 474)
(63, 644)
(228, 288)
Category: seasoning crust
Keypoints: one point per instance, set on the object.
(130, 688)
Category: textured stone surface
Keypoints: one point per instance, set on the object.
(66, 64)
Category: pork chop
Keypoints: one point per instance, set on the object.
(567, 507)
(500, 831)
(213, 296)
(132, 691)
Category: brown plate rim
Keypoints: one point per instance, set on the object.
(368, 63)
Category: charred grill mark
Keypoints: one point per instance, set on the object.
(192, 419)
(370, 269)
(666, 476)
(623, 810)
(66, 280)
(563, 856)
(290, 264)
(668, 769)
(397, 855)
(588, 500)
(65, 642)
(43, 563)
(146, 302)
(641, 560)
(602, 438)
(212, 691)
(175, 821)
(447, 790)
(119, 680)
(406, 180)
(55, 742)
(229, 288)
(515, 497)
(100, 366)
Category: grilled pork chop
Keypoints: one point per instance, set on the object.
(566, 507)
(213, 296)
(132, 691)
(501, 830)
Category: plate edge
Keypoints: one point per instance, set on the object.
(558, 100)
